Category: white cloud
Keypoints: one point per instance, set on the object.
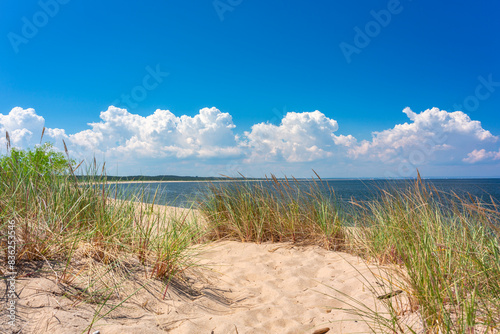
(206, 144)
(342, 140)
(25, 128)
(21, 124)
(160, 135)
(452, 134)
(480, 155)
(300, 137)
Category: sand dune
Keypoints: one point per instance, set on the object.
(238, 288)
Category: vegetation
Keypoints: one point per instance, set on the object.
(277, 211)
(71, 227)
(442, 250)
(43, 159)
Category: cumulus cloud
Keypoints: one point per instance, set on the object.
(480, 155)
(160, 135)
(451, 134)
(300, 137)
(207, 144)
(21, 124)
(25, 128)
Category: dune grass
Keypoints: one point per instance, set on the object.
(448, 247)
(443, 249)
(70, 227)
(275, 211)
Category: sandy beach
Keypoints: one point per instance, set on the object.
(237, 288)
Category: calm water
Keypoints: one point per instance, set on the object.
(183, 194)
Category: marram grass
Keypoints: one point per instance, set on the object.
(274, 211)
(442, 250)
(78, 235)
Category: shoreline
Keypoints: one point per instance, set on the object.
(180, 181)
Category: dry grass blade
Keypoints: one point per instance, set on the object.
(41, 137)
(7, 137)
(319, 178)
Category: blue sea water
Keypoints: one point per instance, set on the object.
(184, 194)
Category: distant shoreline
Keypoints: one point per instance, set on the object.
(181, 181)
(283, 179)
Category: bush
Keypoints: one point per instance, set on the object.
(42, 161)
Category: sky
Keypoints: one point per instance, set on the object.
(349, 89)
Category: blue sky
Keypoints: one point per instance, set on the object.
(262, 69)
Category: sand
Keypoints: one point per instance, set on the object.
(277, 289)
(237, 288)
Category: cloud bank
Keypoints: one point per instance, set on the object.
(209, 143)
(160, 135)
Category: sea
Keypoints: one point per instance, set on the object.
(188, 193)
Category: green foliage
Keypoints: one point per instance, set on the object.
(43, 160)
